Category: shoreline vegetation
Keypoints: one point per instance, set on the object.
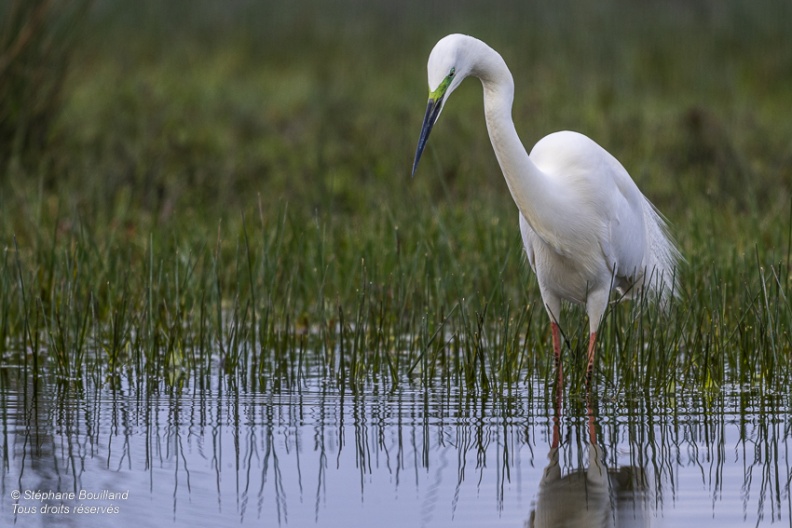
(225, 191)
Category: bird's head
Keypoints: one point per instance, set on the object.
(447, 67)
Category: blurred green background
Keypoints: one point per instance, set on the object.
(197, 107)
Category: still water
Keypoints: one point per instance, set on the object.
(320, 455)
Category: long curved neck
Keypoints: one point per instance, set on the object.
(531, 189)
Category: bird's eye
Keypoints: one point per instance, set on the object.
(451, 73)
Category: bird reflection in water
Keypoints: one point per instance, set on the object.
(591, 494)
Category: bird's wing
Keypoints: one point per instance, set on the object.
(594, 209)
(626, 221)
(639, 238)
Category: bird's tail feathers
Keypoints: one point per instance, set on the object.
(661, 279)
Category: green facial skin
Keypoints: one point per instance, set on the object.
(432, 111)
(440, 91)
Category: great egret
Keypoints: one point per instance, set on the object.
(586, 227)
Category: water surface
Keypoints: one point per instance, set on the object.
(322, 455)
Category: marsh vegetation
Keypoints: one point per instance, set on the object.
(224, 191)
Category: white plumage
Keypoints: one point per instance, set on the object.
(586, 227)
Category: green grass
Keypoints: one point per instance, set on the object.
(229, 197)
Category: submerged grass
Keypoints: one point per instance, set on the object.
(230, 200)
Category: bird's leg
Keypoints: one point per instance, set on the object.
(557, 416)
(596, 304)
(556, 343)
(557, 356)
(591, 351)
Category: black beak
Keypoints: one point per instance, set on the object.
(432, 112)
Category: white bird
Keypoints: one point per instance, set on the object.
(586, 227)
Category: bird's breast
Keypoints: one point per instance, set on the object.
(569, 277)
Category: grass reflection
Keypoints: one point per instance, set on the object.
(246, 211)
(293, 456)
